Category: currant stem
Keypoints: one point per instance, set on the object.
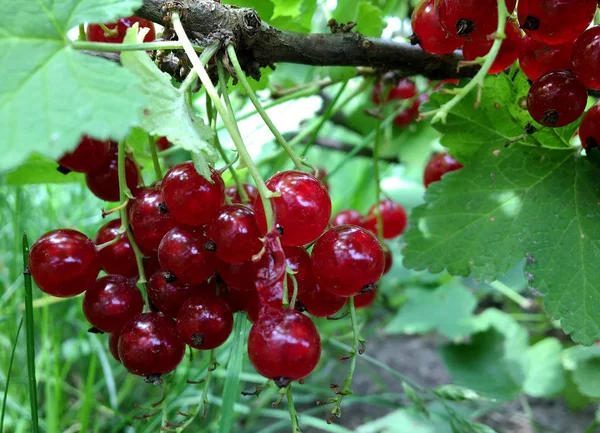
(82, 36)
(519, 299)
(295, 292)
(155, 161)
(292, 409)
(376, 144)
(112, 241)
(246, 85)
(109, 33)
(145, 46)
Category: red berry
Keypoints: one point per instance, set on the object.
(473, 19)
(407, 116)
(347, 259)
(509, 50)
(302, 211)
(556, 99)
(235, 233)
(347, 216)
(163, 143)
(242, 276)
(150, 219)
(537, 58)
(113, 346)
(253, 307)
(190, 198)
(405, 89)
(389, 259)
(393, 217)
(118, 258)
(589, 130)
(321, 174)
(104, 182)
(204, 322)
(298, 261)
(151, 264)
(87, 157)
(586, 53)
(64, 263)
(428, 31)
(236, 299)
(284, 347)
(149, 345)
(111, 302)
(95, 33)
(167, 297)
(365, 299)
(321, 303)
(183, 252)
(555, 21)
(437, 166)
(234, 195)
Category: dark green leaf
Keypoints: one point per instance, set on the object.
(38, 170)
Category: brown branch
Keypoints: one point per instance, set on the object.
(261, 45)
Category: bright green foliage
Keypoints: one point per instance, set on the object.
(584, 363)
(370, 18)
(545, 374)
(447, 310)
(50, 94)
(289, 8)
(38, 169)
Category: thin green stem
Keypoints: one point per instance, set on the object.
(8, 374)
(522, 301)
(82, 37)
(292, 409)
(30, 333)
(155, 161)
(189, 81)
(377, 177)
(228, 119)
(146, 46)
(246, 85)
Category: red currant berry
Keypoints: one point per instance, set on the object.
(87, 157)
(149, 345)
(321, 303)
(118, 258)
(555, 22)
(347, 259)
(113, 346)
(95, 33)
(405, 89)
(150, 219)
(234, 195)
(586, 53)
(537, 58)
(167, 297)
(284, 347)
(389, 259)
(437, 166)
(64, 263)
(235, 233)
(190, 198)
(151, 264)
(473, 19)
(347, 216)
(183, 252)
(253, 307)
(556, 99)
(365, 299)
(242, 276)
(104, 182)
(302, 211)
(236, 299)
(509, 49)
(163, 143)
(393, 217)
(407, 116)
(111, 302)
(298, 261)
(204, 322)
(589, 130)
(428, 31)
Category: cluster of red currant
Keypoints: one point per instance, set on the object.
(558, 51)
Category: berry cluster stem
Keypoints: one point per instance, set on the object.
(227, 117)
(145, 46)
(292, 409)
(155, 161)
(377, 177)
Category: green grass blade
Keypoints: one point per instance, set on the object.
(29, 332)
(231, 391)
(10, 364)
(88, 399)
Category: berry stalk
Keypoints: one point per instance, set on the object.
(377, 177)
(292, 409)
(155, 161)
(146, 46)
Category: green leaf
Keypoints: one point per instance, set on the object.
(288, 8)
(405, 420)
(301, 10)
(584, 364)
(39, 170)
(447, 310)
(52, 95)
(545, 374)
(167, 112)
(263, 8)
(456, 393)
(369, 18)
(574, 399)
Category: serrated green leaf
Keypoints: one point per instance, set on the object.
(448, 310)
(371, 21)
(584, 364)
(545, 374)
(167, 112)
(50, 95)
(39, 170)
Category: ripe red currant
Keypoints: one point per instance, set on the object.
(347, 259)
(204, 322)
(393, 218)
(183, 252)
(586, 53)
(555, 21)
(556, 99)
(389, 259)
(405, 89)
(104, 182)
(253, 308)
(437, 166)
(118, 258)
(111, 302)
(113, 346)
(537, 58)
(302, 211)
(364, 300)
(150, 219)
(64, 263)
(589, 130)
(167, 297)
(298, 261)
(284, 347)
(87, 157)
(236, 299)
(163, 143)
(428, 31)
(95, 33)
(149, 345)
(321, 303)
(235, 233)
(151, 264)
(509, 50)
(234, 195)
(347, 216)
(190, 198)
(473, 19)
